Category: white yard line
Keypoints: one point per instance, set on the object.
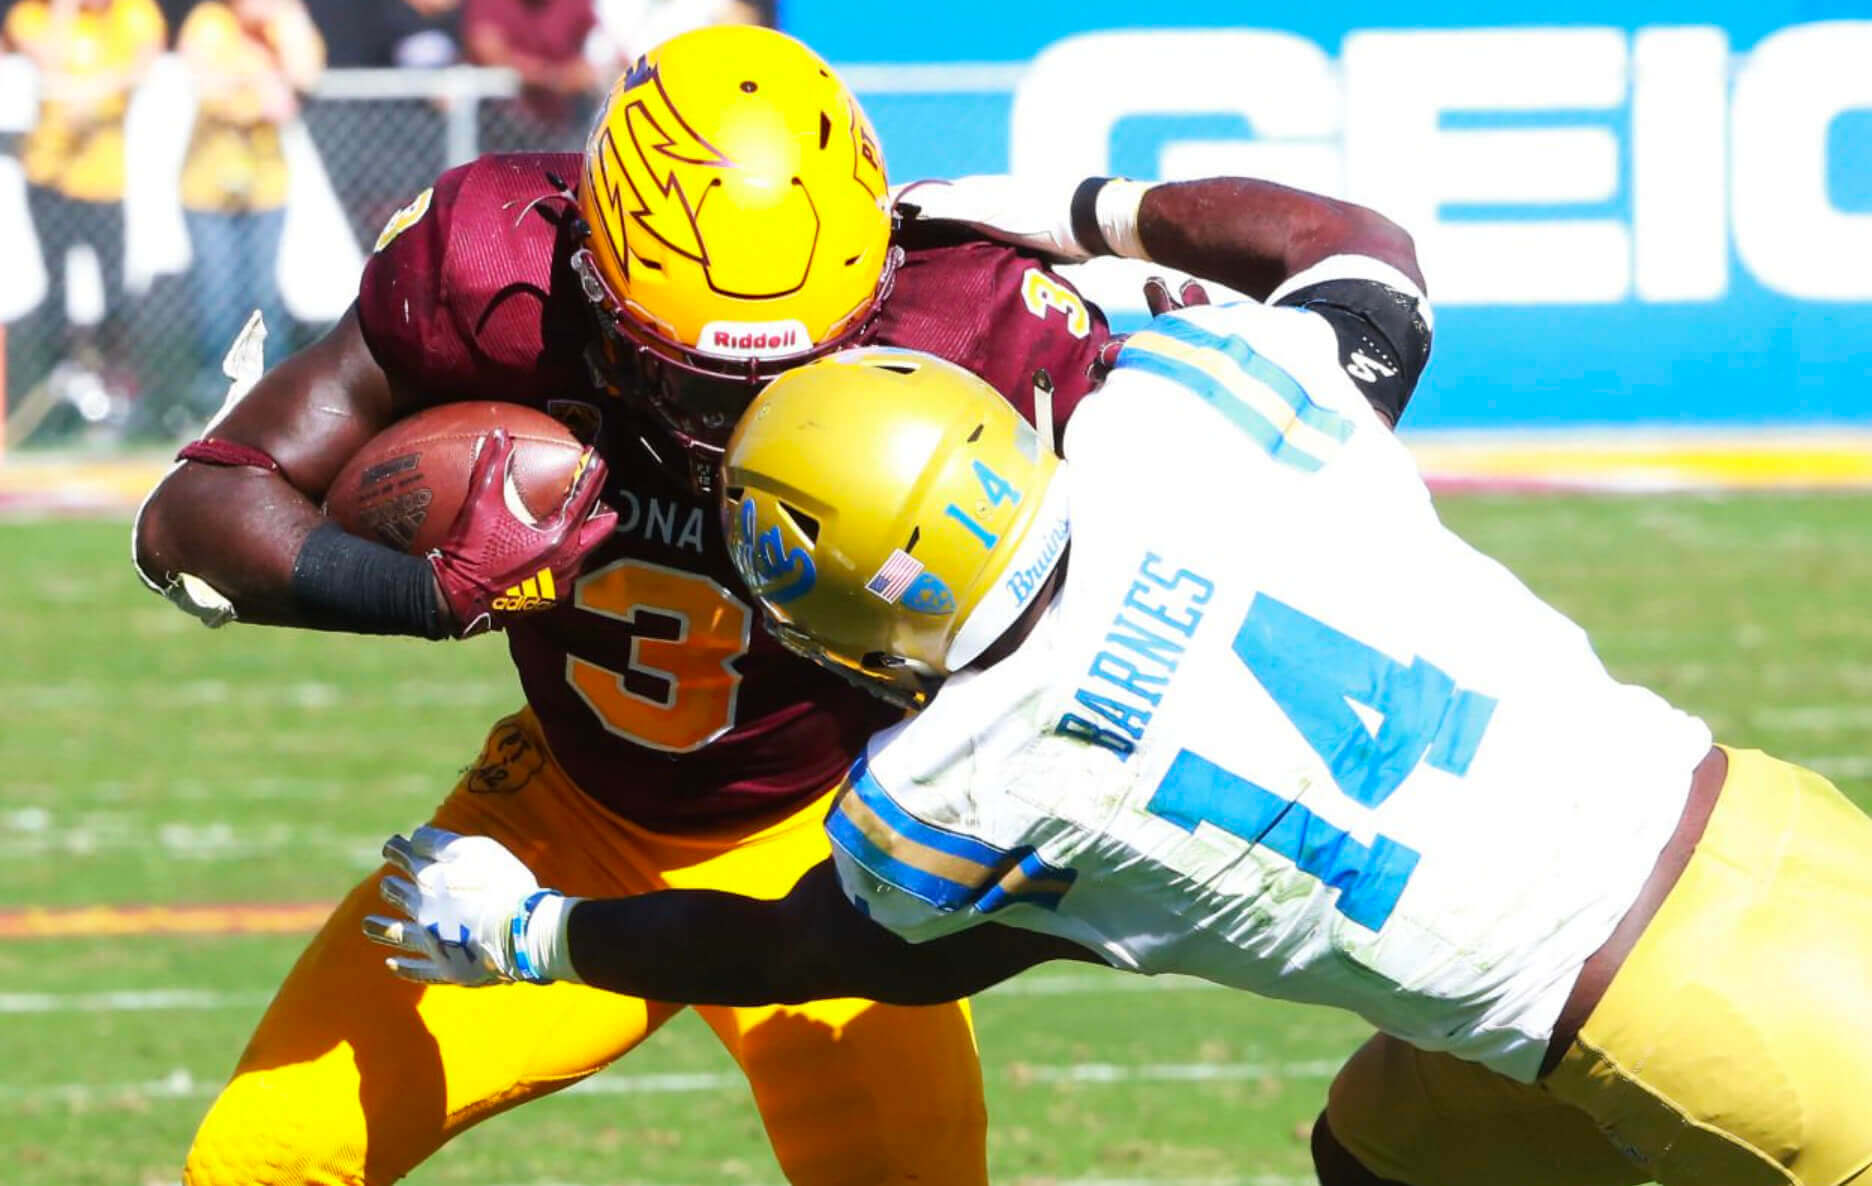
(188, 999)
(300, 695)
(1817, 718)
(1838, 765)
(1185, 1072)
(129, 1001)
(184, 1084)
(189, 840)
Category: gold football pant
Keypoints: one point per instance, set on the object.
(1733, 1048)
(355, 1076)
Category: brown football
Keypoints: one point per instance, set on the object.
(404, 487)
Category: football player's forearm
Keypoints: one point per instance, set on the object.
(237, 528)
(1252, 235)
(707, 948)
(262, 546)
(250, 528)
(698, 947)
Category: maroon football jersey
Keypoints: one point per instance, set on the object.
(657, 689)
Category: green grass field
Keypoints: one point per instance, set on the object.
(146, 760)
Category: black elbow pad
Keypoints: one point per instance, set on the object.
(1384, 337)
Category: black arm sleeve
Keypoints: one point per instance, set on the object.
(1384, 338)
(342, 582)
(701, 947)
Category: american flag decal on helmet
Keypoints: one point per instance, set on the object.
(895, 576)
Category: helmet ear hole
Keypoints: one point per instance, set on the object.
(808, 526)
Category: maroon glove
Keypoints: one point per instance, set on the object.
(1158, 300)
(492, 566)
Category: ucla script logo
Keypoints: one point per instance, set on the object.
(773, 572)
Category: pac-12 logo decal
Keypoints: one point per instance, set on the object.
(772, 571)
(928, 595)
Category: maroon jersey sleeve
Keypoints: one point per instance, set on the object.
(1001, 312)
(461, 299)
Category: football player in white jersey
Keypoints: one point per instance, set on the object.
(1218, 694)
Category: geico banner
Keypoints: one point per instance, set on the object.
(1666, 223)
(1534, 166)
(1651, 224)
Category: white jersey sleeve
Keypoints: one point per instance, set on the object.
(924, 864)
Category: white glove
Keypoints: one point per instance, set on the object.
(1036, 213)
(473, 914)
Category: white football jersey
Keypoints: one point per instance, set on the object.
(1280, 728)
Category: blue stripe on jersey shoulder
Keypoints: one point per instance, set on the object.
(1032, 882)
(934, 890)
(939, 867)
(866, 786)
(1238, 364)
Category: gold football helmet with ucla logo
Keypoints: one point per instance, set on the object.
(737, 203)
(893, 515)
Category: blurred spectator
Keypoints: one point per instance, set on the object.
(90, 55)
(627, 28)
(414, 33)
(544, 42)
(250, 60)
(425, 34)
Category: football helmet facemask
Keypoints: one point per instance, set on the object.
(893, 515)
(739, 223)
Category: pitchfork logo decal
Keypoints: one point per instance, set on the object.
(654, 174)
(657, 177)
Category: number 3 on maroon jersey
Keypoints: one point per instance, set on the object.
(1041, 292)
(678, 691)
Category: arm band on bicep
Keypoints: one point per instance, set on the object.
(1104, 216)
(341, 582)
(215, 451)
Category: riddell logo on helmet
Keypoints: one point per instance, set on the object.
(755, 339)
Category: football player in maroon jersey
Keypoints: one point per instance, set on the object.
(729, 219)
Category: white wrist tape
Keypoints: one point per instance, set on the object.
(542, 947)
(1116, 211)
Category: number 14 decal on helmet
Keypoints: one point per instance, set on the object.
(998, 490)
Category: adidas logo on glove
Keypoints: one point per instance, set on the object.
(534, 593)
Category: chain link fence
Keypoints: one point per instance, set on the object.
(116, 314)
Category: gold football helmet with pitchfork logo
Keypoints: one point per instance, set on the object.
(739, 223)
